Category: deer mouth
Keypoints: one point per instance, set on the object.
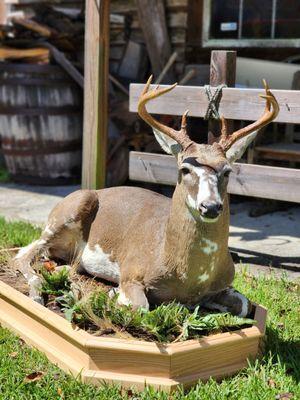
(198, 216)
(209, 220)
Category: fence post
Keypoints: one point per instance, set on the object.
(222, 71)
(95, 94)
(3, 12)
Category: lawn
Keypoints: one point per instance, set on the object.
(26, 374)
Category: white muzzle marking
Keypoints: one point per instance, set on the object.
(207, 190)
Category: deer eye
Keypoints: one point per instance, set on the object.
(185, 171)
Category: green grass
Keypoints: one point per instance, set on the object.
(17, 234)
(4, 175)
(276, 374)
(96, 311)
(165, 323)
(56, 283)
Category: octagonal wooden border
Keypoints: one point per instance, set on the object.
(130, 363)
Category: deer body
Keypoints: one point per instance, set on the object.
(175, 257)
(155, 248)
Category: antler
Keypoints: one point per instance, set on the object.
(180, 136)
(270, 113)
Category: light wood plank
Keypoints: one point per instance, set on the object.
(95, 94)
(231, 352)
(246, 180)
(12, 53)
(239, 104)
(266, 182)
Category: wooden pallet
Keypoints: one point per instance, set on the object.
(131, 363)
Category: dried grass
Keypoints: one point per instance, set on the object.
(10, 275)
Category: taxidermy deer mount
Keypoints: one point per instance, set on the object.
(155, 248)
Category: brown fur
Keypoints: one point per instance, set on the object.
(155, 240)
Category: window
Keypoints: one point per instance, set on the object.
(251, 23)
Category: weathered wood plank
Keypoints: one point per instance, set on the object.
(246, 180)
(173, 20)
(129, 6)
(153, 23)
(194, 29)
(239, 104)
(95, 94)
(154, 168)
(64, 62)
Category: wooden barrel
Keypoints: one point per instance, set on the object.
(40, 123)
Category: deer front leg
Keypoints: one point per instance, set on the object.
(24, 261)
(229, 300)
(133, 294)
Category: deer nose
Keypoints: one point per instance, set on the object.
(210, 209)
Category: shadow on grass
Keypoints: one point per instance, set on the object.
(287, 351)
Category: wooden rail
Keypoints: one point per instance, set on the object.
(236, 103)
(245, 180)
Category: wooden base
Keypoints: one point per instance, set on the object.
(130, 363)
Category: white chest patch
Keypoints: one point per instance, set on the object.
(98, 263)
(204, 277)
(209, 246)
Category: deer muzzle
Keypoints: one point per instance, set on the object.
(210, 210)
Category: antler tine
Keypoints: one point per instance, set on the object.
(183, 121)
(270, 113)
(224, 128)
(180, 136)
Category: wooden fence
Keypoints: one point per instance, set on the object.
(236, 104)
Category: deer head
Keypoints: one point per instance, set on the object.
(204, 169)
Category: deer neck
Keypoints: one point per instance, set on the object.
(190, 243)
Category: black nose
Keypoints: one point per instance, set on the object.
(210, 209)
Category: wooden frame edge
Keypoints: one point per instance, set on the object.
(84, 339)
(42, 314)
(74, 350)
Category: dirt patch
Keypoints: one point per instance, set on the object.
(11, 276)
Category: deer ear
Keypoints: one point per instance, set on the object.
(170, 146)
(239, 147)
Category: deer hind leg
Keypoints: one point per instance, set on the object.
(229, 300)
(68, 225)
(133, 294)
(24, 261)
